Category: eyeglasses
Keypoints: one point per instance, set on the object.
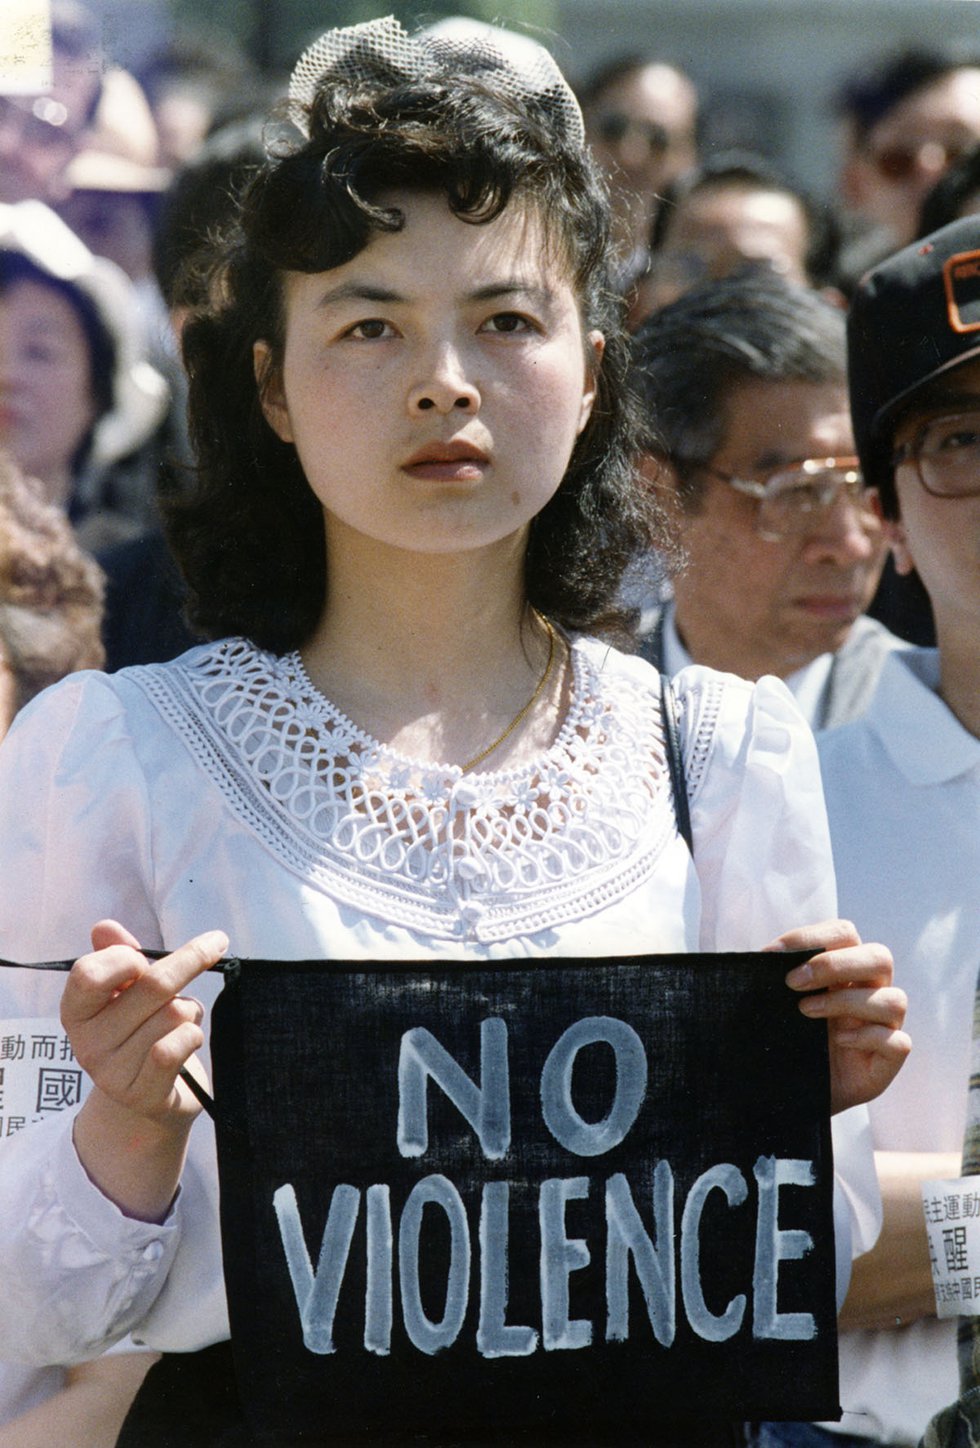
(946, 454)
(793, 500)
(900, 162)
(41, 122)
(614, 126)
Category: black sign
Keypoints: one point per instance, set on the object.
(558, 1197)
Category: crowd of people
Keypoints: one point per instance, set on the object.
(363, 471)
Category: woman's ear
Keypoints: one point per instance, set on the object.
(595, 345)
(268, 380)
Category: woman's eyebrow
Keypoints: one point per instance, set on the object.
(512, 287)
(358, 292)
(367, 292)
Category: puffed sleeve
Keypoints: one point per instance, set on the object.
(74, 845)
(74, 823)
(764, 861)
(762, 843)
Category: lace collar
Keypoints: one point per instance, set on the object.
(483, 855)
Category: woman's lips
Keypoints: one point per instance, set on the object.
(450, 462)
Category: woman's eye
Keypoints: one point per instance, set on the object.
(508, 323)
(370, 330)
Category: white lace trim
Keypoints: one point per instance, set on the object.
(484, 856)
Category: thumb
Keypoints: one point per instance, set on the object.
(110, 932)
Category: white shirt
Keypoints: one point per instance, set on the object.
(903, 797)
(194, 795)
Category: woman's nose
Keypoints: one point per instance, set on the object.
(446, 388)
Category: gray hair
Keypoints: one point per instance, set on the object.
(691, 354)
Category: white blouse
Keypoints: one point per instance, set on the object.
(222, 791)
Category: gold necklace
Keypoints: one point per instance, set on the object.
(525, 711)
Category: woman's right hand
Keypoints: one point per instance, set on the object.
(132, 1030)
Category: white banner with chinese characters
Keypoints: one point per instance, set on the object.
(39, 1075)
(952, 1212)
(25, 47)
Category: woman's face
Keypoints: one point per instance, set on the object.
(46, 401)
(435, 385)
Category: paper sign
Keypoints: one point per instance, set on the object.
(39, 1075)
(25, 47)
(952, 1212)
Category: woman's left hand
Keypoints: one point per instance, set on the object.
(849, 984)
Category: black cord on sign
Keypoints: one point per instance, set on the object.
(65, 965)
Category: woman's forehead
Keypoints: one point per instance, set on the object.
(43, 303)
(516, 243)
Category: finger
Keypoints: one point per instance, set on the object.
(891, 1045)
(825, 935)
(868, 964)
(135, 987)
(865, 1064)
(97, 979)
(887, 1005)
(120, 1068)
(157, 1077)
(110, 932)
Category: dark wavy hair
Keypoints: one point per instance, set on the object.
(249, 537)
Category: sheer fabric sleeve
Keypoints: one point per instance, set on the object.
(762, 843)
(764, 862)
(74, 846)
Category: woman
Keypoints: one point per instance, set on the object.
(416, 492)
(79, 403)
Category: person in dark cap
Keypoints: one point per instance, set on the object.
(903, 798)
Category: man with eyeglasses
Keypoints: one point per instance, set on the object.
(903, 798)
(40, 134)
(743, 386)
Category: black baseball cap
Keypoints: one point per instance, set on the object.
(913, 317)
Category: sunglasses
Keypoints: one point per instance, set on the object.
(41, 122)
(614, 126)
(900, 162)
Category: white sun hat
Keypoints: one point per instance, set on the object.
(139, 393)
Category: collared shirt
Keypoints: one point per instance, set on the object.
(903, 796)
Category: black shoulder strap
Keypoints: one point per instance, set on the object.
(675, 765)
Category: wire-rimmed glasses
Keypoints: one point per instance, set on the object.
(793, 499)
